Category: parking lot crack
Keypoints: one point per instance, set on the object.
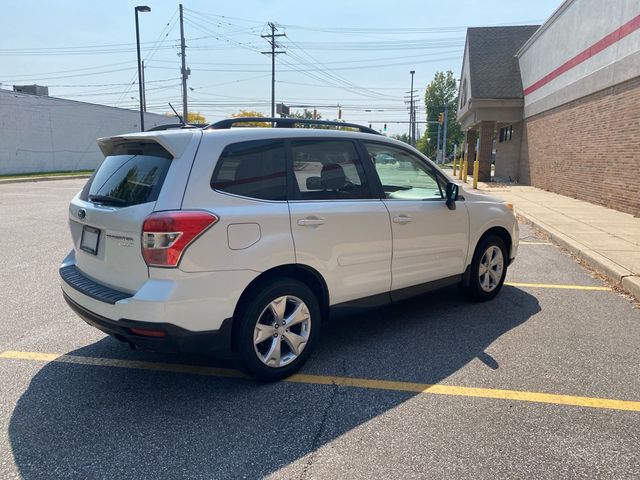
(321, 427)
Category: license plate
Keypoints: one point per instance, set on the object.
(89, 240)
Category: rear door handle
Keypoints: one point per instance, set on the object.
(402, 219)
(310, 221)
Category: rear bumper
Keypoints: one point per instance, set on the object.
(175, 339)
(194, 302)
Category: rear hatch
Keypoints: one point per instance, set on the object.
(106, 217)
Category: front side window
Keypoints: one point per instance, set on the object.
(254, 169)
(131, 174)
(328, 170)
(404, 176)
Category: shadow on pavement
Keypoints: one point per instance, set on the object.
(77, 421)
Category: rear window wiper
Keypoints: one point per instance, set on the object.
(107, 199)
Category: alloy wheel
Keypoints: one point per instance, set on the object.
(282, 331)
(491, 268)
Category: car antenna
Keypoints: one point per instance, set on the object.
(179, 117)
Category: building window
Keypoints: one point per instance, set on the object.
(506, 133)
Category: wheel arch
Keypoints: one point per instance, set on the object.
(497, 230)
(303, 273)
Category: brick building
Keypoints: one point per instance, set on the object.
(560, 102)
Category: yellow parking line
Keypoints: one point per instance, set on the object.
(561, 286)
(420, 388)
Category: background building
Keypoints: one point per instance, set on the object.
(578, 129)
(44, 134)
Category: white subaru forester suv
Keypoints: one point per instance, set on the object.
(244, 240)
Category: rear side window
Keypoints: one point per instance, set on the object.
(132, 174)
(328, 170)
(253, 169)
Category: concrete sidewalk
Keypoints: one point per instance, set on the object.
(606, 239)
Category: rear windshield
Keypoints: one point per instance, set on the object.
(132, 174)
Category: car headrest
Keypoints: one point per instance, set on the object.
(332, 177)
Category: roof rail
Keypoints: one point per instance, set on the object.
(178, 126)
(286, 123)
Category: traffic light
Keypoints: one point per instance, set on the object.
(441, 118)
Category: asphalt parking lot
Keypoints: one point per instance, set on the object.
(542, 382)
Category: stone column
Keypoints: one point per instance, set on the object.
(486, 147)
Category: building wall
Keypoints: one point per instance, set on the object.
(584, 47)
(589, 148)
(581, 79)
(508, 155)
(40, 134)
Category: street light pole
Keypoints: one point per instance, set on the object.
(140, 8)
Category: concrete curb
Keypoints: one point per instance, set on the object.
(617, 273)
(632, 285)
(44, 178)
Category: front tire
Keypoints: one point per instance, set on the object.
(277, 329)
(488, 269)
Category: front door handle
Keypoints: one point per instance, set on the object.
(402, 219)
(310, 221)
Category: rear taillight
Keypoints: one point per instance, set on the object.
(165, 235)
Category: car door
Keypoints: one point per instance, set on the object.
(430, 241)
(339, 228)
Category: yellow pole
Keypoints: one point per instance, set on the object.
(462, 162)
(465, 166)
(476, 168)
(454, 166)
(476, 171)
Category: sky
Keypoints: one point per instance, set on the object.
(355, 54)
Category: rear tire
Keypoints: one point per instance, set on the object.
(277, 329)
(488, 269)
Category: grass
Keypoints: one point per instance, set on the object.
(47, 174)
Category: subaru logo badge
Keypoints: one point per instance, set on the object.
(82, 213)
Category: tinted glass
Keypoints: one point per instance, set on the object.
(404, 176)
(328, 170)
(132, 174)
(252, 169)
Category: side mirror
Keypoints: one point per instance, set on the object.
(451, 194)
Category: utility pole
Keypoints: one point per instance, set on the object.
(438, 144)
(184, 70)
(271, 38)
(444, 133)
(412, 111)
(140, 8)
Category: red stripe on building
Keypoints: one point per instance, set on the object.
(594, 49)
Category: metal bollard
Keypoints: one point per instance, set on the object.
(454, 166)
(476, 171)
(462, 162)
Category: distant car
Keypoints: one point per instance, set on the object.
(384, 158)
(247, 239)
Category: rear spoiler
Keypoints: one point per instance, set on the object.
(175, 144)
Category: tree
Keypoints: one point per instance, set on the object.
(192, 117)
(403, 137)
(305, 114)
(196, 117)
(251, 113)
(443, 90)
